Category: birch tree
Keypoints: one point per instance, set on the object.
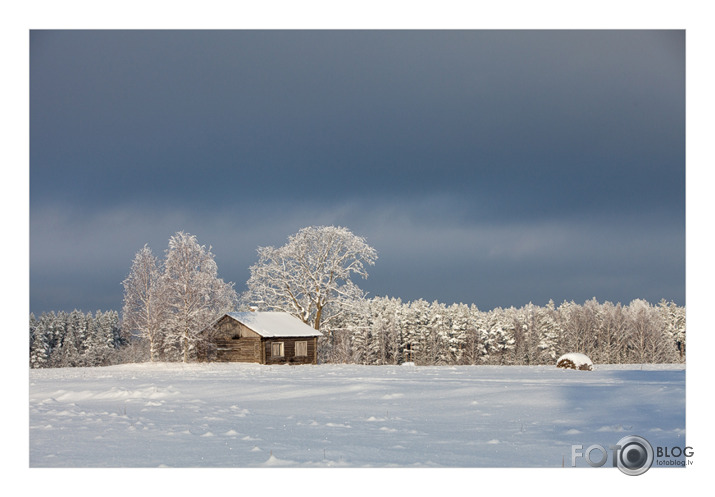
(144, 302)
(195, 295)
(310, 276)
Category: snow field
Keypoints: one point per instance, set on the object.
(246, 415)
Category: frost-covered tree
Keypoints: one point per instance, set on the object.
(75, 339)
(310, 276)
(195, 295)
(497, 336)
(416, 322)
(575, 328)
(460, 319)
(616, 344)
(47, 338)
(103, 337)
(548, 330)
(473, 348)
(145, 303)
(520, 323)
(75, 343)
(387, 324)
(650, 336)
(39, 346)
(674, 318)
(65, 353)
(33, 326)
(443, 347)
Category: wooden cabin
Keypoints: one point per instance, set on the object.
(263, 337)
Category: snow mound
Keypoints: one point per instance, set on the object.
(575, 360)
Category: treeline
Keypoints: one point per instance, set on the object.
(76, 339)
(386, 330)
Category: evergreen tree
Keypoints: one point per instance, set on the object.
(674, 319)
(39, 345)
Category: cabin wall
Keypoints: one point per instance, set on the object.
(236, 343)
(289, 350)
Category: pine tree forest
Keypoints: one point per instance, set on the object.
(76, 339)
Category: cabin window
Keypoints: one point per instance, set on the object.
(301, 349)
(277, 349)
(236, 336)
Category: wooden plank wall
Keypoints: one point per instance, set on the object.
(235, 343)
(240, 350)
(289, 351)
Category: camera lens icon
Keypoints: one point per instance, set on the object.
(635, 456)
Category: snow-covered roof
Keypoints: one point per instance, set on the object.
(274, 324)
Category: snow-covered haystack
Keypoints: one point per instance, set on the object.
(574, 360)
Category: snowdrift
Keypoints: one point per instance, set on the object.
(230, 415)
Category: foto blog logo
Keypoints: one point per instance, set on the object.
(633, 455)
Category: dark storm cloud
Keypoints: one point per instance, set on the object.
(487, 141)
(83, 257)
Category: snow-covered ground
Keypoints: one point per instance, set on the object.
(246, 415)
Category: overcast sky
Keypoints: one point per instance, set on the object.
(486, 167)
